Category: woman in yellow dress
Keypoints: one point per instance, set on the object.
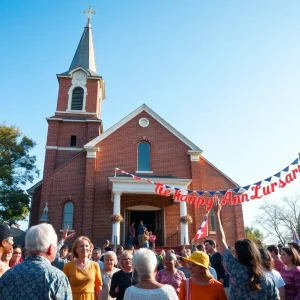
(84, 275)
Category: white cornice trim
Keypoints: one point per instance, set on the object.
(64, 148)
(132, 186)
(71, 120)
(194, 155)
(54, 119)
(91, 152)
(155, 116)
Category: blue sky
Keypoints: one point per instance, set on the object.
(225, 74)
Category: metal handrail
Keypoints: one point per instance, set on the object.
(173, 240)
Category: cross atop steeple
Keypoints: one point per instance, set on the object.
(90, 11)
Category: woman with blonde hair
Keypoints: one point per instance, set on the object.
(125, 278)
(83, 274)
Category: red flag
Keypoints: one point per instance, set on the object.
(203, 230)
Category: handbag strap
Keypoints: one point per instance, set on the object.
(187, 289)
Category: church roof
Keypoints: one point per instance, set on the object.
(85, 54)
(155, 116)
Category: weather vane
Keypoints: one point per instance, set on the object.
(89, 12)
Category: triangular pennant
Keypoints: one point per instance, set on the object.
(177, 189)
(212, 193)
(268, 179)
(167, 186)
(236, 190)
(223, 192)
(295, 162)
(200, 192)
(257, 183)
(241, 191)
(189, 191)
(246, 187)
(286, 169)
(277, 174)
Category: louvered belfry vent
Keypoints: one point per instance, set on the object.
(77, 99)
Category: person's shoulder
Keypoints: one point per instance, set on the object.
(117, 273)
(215, 283)
(180, 272)
(169, 289)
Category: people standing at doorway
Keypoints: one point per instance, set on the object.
(131, 234)
(140, 231)
(146, 239)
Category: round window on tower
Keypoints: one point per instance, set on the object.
(144, 122)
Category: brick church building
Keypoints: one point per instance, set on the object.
(79, 187)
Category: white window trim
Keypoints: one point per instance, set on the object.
(144, 172)
(212, 232)
(70, 93)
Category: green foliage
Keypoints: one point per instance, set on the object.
(253, 234)
(17, 167)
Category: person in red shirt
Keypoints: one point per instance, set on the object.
(278, 264)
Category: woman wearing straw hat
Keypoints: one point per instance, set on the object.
(201, 285)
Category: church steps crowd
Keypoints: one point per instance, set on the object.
(48, 269)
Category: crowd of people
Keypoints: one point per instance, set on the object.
(48, 269)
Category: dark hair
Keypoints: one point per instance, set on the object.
(97, 249)
(273, 248)
(65, 247)
(211, 242)
(266, 259)
(17, 246)
(292, 252)
(249, 256)
(107, 248)
(200, 247)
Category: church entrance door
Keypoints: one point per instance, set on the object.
(153, 219)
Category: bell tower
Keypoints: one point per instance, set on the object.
(77, 119)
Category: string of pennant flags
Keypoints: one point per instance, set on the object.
(238, 190)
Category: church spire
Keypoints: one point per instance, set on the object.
(85, 54)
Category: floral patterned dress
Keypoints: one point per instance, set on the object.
(174, 280)
(239, 277)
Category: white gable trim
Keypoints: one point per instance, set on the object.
(155, 116)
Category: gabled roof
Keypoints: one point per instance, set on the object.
(155, 116)
(85, 54)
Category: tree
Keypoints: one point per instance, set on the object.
(17, 167)
(253, 234)
(279, 220)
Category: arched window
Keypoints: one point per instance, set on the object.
(77, 98)
(144, 156)
(212, 220)
(68, 215)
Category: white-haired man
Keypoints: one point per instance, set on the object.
(36, 278)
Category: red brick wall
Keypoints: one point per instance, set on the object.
(35, 206)
(85, 181)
